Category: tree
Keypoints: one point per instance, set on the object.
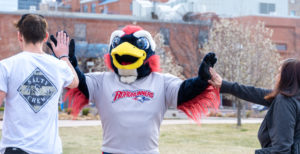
(186, 39)
(245, 54)
(167, 61)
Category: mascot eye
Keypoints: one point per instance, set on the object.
(116, 41)
(142, 43)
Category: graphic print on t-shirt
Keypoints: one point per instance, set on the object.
(37, 90)
(138, 95)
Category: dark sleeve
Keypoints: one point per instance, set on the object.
(263, 150)
(248, 93)
(283, 121)
(82, 82)
(190, 88)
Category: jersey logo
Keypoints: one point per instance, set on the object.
(37, 90)
(137, 95)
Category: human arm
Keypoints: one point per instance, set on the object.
(2, 97)
(61, 50)
(248, 93)
(3, 82)
(82, 86)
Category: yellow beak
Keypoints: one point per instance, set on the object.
(127, 49)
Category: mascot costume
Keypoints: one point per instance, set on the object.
(133, 98)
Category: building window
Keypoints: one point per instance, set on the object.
(203, 35)
(80, 32)
(293, 13)
(281, 47)
(166, 33)
(93, 8)
(85, 8)
(267, 8)
(130, 6)
(105, 10)
(26, 4)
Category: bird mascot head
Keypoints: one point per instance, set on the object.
(131, 54)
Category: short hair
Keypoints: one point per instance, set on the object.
(32, 27)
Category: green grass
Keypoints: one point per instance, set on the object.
(174, 139)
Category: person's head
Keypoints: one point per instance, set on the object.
(32, 29)
(288, 83)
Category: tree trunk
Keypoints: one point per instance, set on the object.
(239, 114)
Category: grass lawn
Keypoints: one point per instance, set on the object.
(174, 139)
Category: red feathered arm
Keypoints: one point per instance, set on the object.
(201, 104)
(76, 101)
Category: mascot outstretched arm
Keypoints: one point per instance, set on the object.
(133, 98)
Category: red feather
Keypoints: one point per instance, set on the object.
(154, 63)
(129, 29)
(107, 61)
(209, 99)
(76, 101)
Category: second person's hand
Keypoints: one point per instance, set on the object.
(216, 79)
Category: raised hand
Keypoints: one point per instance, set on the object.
(208, 61)
(61, 48)
(72, 57)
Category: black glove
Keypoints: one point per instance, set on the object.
(192, 87)
(72, 57)
(52, 38)
(208, 61)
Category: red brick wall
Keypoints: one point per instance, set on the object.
(285, 31)
(75, 5)
(119, 7)
(8, 36)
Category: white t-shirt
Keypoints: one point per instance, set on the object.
(33, 83)
(131, 114)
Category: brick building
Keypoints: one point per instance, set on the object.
(183, 39)
(101, 6)
(122, 7)
(286, 32)
(180, 37)
(74, 5)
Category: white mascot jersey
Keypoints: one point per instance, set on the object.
(131, 114)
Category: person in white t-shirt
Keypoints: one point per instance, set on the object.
(31, 82)
(133, 98)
